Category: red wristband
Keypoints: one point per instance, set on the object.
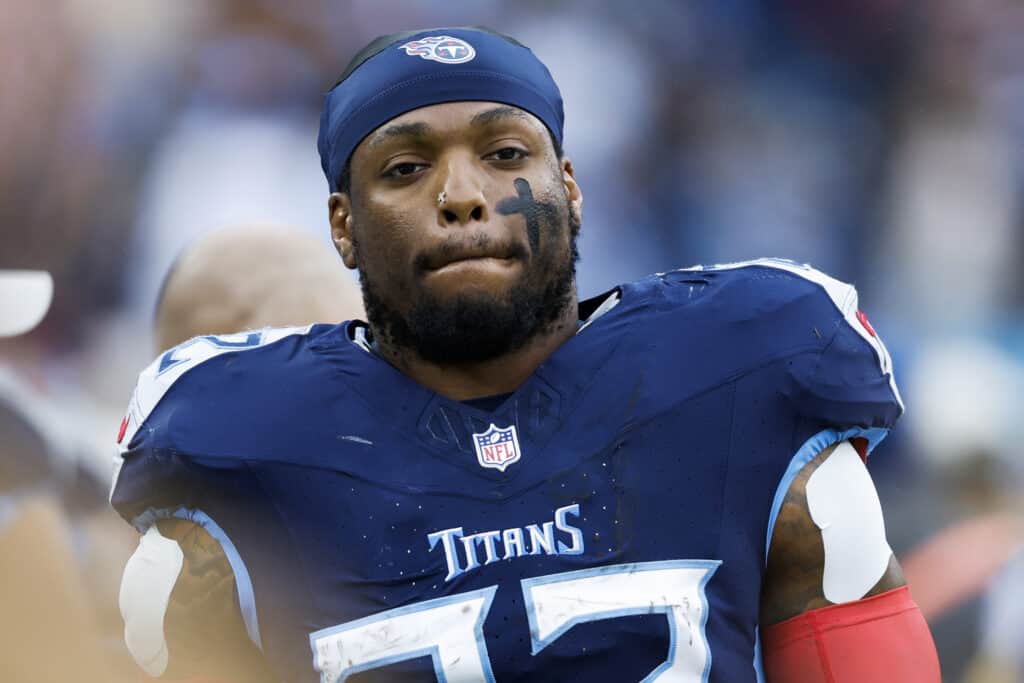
(881, 638)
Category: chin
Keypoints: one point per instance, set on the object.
(472, 324)
(474, 312)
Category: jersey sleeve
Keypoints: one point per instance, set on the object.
(848, 384)
(155, 480)
(183, 439)
(157, 470)
(181, 453)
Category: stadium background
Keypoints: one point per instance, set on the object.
(880, 140)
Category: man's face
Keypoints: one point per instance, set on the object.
(462, 221)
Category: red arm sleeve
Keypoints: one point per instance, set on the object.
(881, 638)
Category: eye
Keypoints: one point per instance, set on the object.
(403, 170)
(508, 154)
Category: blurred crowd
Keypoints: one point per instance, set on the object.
(880, 140)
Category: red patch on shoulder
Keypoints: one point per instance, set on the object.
(124, 428)
(863, 318)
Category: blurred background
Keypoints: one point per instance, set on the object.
(879, 140)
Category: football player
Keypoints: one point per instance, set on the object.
(491, 480)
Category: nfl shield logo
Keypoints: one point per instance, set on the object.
(497, 448)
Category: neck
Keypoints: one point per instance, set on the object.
(501, 375)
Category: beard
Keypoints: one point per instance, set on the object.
(474, 327)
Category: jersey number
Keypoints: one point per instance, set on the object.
(450, 629)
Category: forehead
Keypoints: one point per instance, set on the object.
(452, 118)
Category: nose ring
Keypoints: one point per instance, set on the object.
(441, 198)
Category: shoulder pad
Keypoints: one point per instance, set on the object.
(157, 379)
(173, 364)
(843, 296)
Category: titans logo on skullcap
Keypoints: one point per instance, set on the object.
(444, 49)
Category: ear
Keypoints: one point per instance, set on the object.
(572, 188)
(339, 205)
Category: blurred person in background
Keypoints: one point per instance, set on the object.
(999, 658)
(48, 628)
(46, 461)
(237, 149)
(953, 198)
(968, 424)
(250, 277)
(41, 68)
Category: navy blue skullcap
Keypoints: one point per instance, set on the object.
(431, 67)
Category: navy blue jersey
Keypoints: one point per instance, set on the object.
(608, 521)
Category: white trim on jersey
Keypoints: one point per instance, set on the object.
(610, 302)
(843, 295)
(361, 338)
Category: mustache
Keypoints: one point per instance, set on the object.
(473, 245)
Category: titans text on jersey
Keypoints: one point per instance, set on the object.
(608, 521)
(515, 542)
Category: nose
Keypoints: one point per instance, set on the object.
(461, 198)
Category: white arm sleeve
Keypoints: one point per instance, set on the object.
(146, 586)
